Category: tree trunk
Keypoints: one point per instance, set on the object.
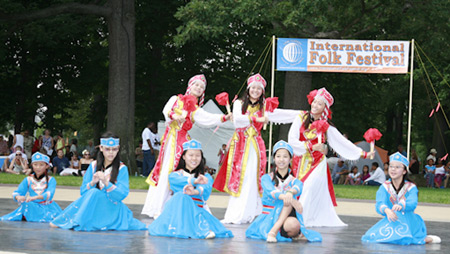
(296, 87)
(121, 90)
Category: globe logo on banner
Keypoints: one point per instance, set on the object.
(291, 54)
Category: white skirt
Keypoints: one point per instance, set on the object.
(247, 206)
(318, 209)
(157, 196)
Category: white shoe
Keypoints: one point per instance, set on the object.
(434, 238)
(211, 235)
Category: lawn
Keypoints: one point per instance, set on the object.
(426, 195)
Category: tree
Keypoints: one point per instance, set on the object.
(120, 18)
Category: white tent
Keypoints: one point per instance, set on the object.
(211, 141)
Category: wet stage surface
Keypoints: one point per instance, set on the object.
(29, 237)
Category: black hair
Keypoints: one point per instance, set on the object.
(405, 178)
(309, 120)
(74, 141)
(274, 170)
(375, 164)
(246, 100)
(199, 170)
(101, 160)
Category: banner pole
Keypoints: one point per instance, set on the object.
(272, 85)
(408, 148)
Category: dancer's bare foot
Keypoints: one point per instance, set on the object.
(271, 237)
(53, 225)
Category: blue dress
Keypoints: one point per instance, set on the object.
(272, 207)
(100, 209)
(184, 216)
(40, 210)
(409, 228)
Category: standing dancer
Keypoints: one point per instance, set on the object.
(35, 194)
(245, 163)
(178, 124)
(396, 202)
(186, 214)
(312, 169)
(105, 185)
(281, 219)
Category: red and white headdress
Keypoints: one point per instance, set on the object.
(256, 80)
(326, 97)
(197, 78)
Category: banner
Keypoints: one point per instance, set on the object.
(357, 56)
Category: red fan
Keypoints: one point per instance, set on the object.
(223, 100)
(271, 104)
(321, 126)
(371, 135)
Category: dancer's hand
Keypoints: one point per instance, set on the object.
(319, 147)
(179, 118)
(263, 119)
(95, 179)
(201, 179)
(370, 154)
(397, 207)
(297, 206)
(29, 199)
(20, 199)
(229, 117)
(288, 197)
(391, 216)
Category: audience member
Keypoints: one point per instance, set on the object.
(90, 148)
(60, 162)
(10, 143)
(37, 146)
(222, 152)
(74, 146)
(18, 162)
(47, 143)
(414, 163)
(401, 150)
(4, 150)
(354, 178)
(429, 172)
(377, 176)
(60, 143)
(447, 174)
(85, 161)
(386, 170)
(432, 155)
(156, 143)
(439, 174)
(28, 142)
(340, 171)
(18, 140)
(365, 173)
(74, 167)
(139, 156)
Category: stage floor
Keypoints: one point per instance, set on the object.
(28, 237)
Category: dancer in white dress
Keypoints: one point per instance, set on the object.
(311, 166)
(178, 122)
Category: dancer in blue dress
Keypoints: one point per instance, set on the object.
(185, 214)
(35, 194)
(105, 185)
(281, 219)
(396, 201)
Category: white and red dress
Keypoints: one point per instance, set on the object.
(171, 150)
(311, 168)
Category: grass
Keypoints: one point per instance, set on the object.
(426, 195)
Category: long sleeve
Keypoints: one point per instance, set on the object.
(381, 200)
(205, 189)
(411, 200)
(206, 119)
(269, 189)
(177, 181)
(300, 147)
(121, 188)
(343, 146)
(22, 189)
(282, 116)
(239, 120)
(298, 185)
(377, 176)
(87, 178)
(50, 191)
(168, 107)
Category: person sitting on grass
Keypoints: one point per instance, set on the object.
(365, 174)
(354, 178)
(377, 176)
(19, 162)
(35, 194)
(396, 201)
(439, 174)
(60, 162)
(281, 219)
(429, 173)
